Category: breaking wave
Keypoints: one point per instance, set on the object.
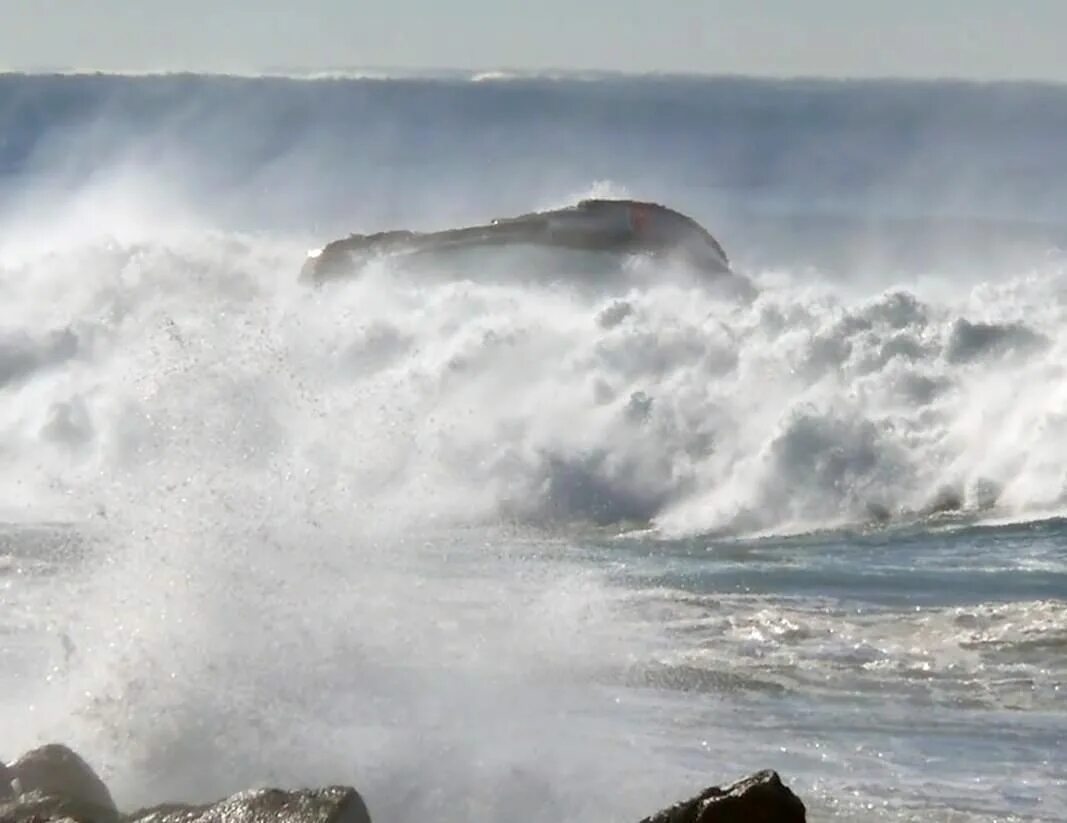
(663, 405)
(328, 521)
(153, 227)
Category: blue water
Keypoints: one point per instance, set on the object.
(496, 544)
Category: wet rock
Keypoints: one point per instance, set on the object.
(54, 785)
(335, 804)
(37, 807)
(53, 781)
(761, 798)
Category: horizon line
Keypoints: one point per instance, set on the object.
(504, 74)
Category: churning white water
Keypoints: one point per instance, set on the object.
(515, 543)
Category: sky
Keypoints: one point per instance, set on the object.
(973, 39)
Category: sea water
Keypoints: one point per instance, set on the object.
(513, 544)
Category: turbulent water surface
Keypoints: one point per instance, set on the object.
(524, 541)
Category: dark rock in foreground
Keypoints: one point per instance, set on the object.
(36, 807)
(761, 798)
(335, 804)
(54, 784)
(56, 770)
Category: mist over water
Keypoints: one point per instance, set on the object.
(369, 533)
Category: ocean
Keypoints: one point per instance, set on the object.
(516, 543)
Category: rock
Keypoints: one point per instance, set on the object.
(335, 804)
(52, 784)
(761, 798)
(54, 780)
(37, 807)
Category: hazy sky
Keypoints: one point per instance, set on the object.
(914, 38)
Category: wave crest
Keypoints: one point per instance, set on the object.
(475, 400)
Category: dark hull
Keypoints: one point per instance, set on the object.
(613, 229)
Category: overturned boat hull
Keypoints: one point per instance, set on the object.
(612, 228)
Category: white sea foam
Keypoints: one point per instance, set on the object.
(294, 542)
(503, 398)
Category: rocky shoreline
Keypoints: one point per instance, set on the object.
(53, 783)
